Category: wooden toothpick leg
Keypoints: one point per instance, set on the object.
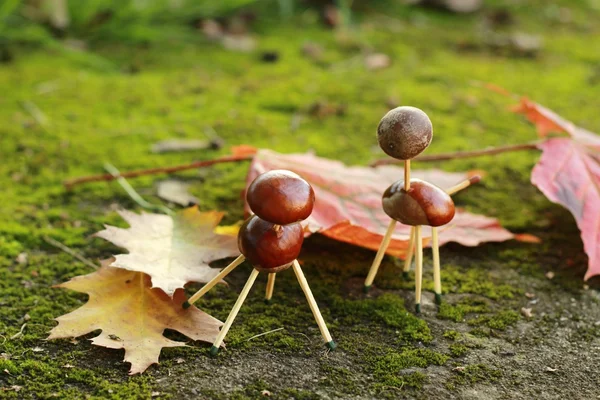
(409, 253)
(313, 306)
(437, 279)
(270, 286)
(209, 285)
(234, 311)
(380, 253)
(418, 268)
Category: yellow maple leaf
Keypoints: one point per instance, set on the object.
(132, 315)
(172, 250)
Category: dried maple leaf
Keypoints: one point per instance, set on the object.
(348, 202)
(172, 250)
(131, 315)
(568, 173)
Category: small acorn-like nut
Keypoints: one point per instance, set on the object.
(270, 247)
(281, 197)
(422, 204)
(404, 132)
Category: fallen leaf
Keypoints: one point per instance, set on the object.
(22, 259)
(348, 202)
(568, 173)
(377, 61)
(172, 250)
(176, 192)
(123, 305)
(241, 43)
(177, 145)
(526, 312)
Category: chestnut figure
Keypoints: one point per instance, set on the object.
(404, 132)
(422, 204)
(270, 247)
(281, 197)
(271, 240)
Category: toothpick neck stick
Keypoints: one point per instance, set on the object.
(406, 175)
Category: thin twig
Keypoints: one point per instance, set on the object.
(69, 251)
(135, 196)
(263, 334)
(464, 154)
(153, 171)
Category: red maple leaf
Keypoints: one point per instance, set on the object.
(348, 202)
(568, 173)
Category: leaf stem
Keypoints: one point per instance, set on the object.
(464, 154)
(153, 171)
(135, 196)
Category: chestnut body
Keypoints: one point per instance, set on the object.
(281, 197)
(422, 204)
(404, 132)
(270, 247)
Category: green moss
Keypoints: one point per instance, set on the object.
(465, 306)
(452, 334)
(471, 374)
(501, 320)
(458, 349)
(388, 369)
(387, 309)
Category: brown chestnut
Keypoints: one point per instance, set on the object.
(270, 247)
(281, 197)
(404, 132)
(422, 204)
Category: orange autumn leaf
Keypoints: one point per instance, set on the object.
(131, 315)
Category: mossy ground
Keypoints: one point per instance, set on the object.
(476, 346)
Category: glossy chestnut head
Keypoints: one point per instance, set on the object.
(269, 246)
(281, 197)
(404, 132)
(422, 204)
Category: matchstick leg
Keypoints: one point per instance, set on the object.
(209, 285)
(313, 306)
(270, 286)
(409, 253)
(418, 268)
(437, 279)
(234, 312)
(380, 253)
